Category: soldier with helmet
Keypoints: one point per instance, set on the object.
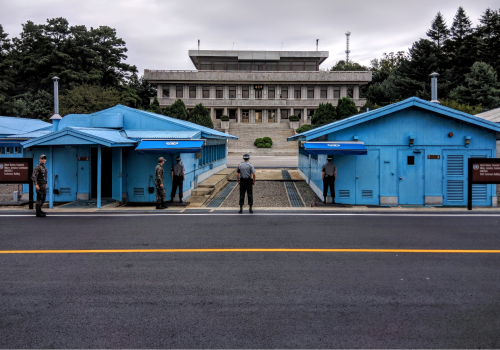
(160, 190)
(245, 175)
(39, 178)
(329, 175)
(178, 178)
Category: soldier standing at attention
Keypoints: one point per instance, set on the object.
(244, 176)
(177, 179)
(160, 190)
(329, 175)
(39, 178)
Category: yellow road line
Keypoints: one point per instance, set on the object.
(265, 250)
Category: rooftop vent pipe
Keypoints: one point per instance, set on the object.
(434, 87)
(317, 40)
(56, 118)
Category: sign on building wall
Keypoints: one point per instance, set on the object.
(482, 171)
(17, 171)
(258, 87)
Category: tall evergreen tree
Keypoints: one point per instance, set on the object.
(489, 34)
(7, 71)
(177, 110)
(155, 106)
(462, 25)
(439, 31)
(346, 108)
(201, 115)
(326, 113)
(143, 89)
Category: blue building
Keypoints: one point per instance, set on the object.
(411, 152)
(113, 154)
(11, 128)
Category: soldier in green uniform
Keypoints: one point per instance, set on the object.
(160, 190)
(39, 178)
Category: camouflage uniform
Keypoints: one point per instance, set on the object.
(160, 191)
(39, 177)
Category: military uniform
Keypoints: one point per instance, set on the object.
(329, 180)
(160, 190)
(246, 170)
(178, 180)
(39, 178)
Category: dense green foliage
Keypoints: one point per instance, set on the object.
(346, 108)
(87, 99)
(324, 114)
(224, 118)
(265, 142)
(462, 107)
(177, 110)
(294, 118)
(466, 57)
(79, 56)
(201, 115)
(155, 106)
(304, 128)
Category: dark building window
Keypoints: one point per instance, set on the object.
(284, 113)
(245, 66)
(258, 66)
(166, 91)
(323, 92)
(218, 113)
(271, 93)
(206, 65)
(350, 92)
(218, 92)
(192, 92)
(272, 66)
(297, 66)
(411, 160)
(298, 113)
(245, 92)
(310, 92)
(258, 93)
(219, 66)
(2, 150)
(284, 92)
(285, 66)
(311, 66)
(336, 92)
(179, 91)
(232, 65)
(296, 92)
(310, 113)
(206, 91)
(232, 92)
(232, 113)
(18, 150)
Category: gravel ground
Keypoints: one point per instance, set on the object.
(307, 194)
(266, 194)
(7, 190)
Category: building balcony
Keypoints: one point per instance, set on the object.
(240, 77)
(255, 103)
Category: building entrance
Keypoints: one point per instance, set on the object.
(245, 114)
(411, 177)
(232, 114)
(65, 178)
(284, 114)
(271, 116)
(106, 172)
(258, 116)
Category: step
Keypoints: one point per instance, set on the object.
(202, 191)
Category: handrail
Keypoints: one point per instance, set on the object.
(248, 71)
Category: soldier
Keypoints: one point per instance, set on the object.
(160, 191)
(177, 172)
(244, 176)
(329, 175)
(39, 178)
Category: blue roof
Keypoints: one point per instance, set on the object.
(161, 134)
(105, 137)
(14, 125)
(32, 135)
(377, 113)
(205, 132)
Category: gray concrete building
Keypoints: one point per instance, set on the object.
(257, 86)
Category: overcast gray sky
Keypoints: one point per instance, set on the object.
(160, 33)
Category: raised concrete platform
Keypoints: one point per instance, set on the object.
(210, 187)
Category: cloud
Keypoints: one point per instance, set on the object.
(159, 33)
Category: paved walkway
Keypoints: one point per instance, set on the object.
(265, 162)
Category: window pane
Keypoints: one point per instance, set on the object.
(218, 113)
(271, 92)
(284, 92)
(258, 66)
(284, 113)
(166, 92)
(297, 66)
(206, 92)
(285, 66)
(336, 92)
(272, 66)
(218, 92)
(232, 92)
(310, 92)
(245, 66)
(2, 150)
(206, 65)
(311, 66)
(411, 160)
(232, 66)
(350, 91)
(258, 93)
(219, 66)
(179, 91)
(244, 92)
(297, 93)
(192, 92)
(323, 92)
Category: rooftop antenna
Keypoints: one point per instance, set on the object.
(347, 51)
(317, 40)
(198, 44)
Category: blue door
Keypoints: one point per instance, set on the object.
(65, 175)
(345, 186)
(411, 177)
(368, 178)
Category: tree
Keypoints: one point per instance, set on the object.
(155, 106)
(7, 71)
(142, 89)
(368, 106)
(39, 105)
(481, 87)
(87, 99)
(346, 108)
(201, 115)
(462, 107)
(348, 66)
(439, 31)
(326, 113)
(177, 110)
(461, 26)
(489, 35)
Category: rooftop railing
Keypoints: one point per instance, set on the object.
(250, 71)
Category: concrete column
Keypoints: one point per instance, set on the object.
(212, 91)
(199, 92)
(278, 115)
(172, 92)
(303, 92)
(185, 93)
(252, 116)
(291, 92)
(264, 116)
(99, 168)
(225, 111)
(317, 92)
(304, 116)
(291, 112)
(329, 92)
(355, 94)
(343, 91)
(159, 91)
(50, 177)
(238, 115)
(238, 92)
(212, 114)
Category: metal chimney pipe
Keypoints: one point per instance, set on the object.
(317, 40)
(434, 87)
(56, 118)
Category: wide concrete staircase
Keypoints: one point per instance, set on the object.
(247, 133)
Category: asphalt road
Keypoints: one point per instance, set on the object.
(250, 299)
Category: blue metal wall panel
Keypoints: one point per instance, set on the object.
(65, 174)
(411, 177)
(116, 173)
(368, 178)
(84, 171)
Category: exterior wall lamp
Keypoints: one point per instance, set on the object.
(355, 138)
(411, 140)
(467, 141)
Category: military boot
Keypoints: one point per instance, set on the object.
(164, 205)
(159, 206)
(241, 210)
(251, 211)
